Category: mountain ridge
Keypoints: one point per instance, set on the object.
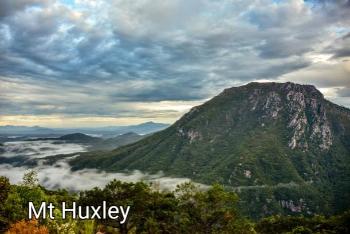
(260, 134)
(106, 131)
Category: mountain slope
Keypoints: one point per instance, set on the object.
(258, 135)
(123, 139)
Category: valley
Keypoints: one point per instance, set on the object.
(281, 147)
(49, 156)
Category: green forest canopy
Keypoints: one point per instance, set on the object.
(188, 209)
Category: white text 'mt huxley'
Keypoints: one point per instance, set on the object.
(119, 213)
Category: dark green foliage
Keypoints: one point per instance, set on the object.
(186, 210)
(301, 225)
(213, 211)
(136, 195)
(4, 192)
(4, 188)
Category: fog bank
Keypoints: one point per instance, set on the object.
(60, 176)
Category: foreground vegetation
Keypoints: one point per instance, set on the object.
(185, 210)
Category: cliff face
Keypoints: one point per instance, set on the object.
(304, 107)
(258, 137)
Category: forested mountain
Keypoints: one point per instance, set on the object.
(283, 146)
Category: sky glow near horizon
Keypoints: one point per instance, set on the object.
(78, 63)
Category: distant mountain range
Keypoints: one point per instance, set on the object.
(108, 131)
(282, 146)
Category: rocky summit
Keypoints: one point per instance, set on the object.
(282, 146)
(304, 107)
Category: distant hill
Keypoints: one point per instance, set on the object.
(124, 139)
(97, 143)
(79, 138)
(282, 146)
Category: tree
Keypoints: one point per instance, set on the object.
(16, 203)
(4, 189)
(30, 179)
(161, 214)
(27, 227)
(136, 195)
(211, 211)
(4, 192)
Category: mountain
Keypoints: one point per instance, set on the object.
(123, 139)
(79, 138)
(97, 143)
(108, 131)
(282, 146)
(9, 130)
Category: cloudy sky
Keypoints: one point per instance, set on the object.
(66, 63)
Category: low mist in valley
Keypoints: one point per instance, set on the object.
(60, 175)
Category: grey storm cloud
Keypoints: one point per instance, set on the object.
(83, 57)
(9, 7)
(341, 48)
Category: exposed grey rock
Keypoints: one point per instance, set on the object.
(273, 104)
(306, 113)
(309, 119)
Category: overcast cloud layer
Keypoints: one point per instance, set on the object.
(80, 62)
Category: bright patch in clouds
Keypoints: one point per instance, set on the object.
(86, 63)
